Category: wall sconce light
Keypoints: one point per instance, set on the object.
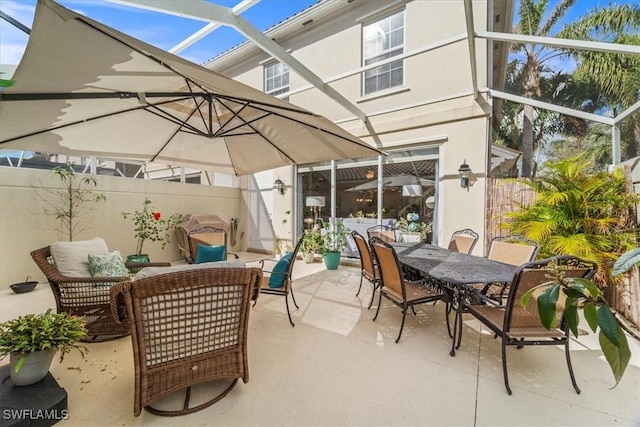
(279, 186)
(464, 175)
(370, 174)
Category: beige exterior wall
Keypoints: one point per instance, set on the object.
(435, 104)
(24, 228)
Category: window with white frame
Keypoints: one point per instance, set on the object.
(382, 40)
(276, 79)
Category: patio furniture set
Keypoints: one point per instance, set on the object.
(490, 289)
(188, 323)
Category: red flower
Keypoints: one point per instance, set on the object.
(156, 216)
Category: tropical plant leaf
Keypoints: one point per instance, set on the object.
(547, 305)
(617, 356)
(591, 315)
(626, 261)
(608, 324)
(571, 315)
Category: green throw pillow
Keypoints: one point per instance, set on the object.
(107, 265)
(279, 272)
(210, 253)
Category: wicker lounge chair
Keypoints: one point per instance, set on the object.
(188, 328)
(519, 326)
(85, 296)
(401, 292)
(284, 277)
(368, 267)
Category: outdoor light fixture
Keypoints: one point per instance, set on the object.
(464, 174)
(370, 174)
(279, 186)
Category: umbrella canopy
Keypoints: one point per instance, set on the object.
(393, 181)
(83, 88)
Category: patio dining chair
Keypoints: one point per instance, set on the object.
(386, 233)
(188, 328)
(83, 295)
(520, 326)
(513, 249)
(393, 285)
(279, 277)
(368, 266)
(463, 241)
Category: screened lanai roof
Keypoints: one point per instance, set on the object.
(214, 15)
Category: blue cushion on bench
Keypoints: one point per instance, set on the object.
(279, 272)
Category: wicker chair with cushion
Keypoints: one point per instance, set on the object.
(278, 278)
(518, 326)
(368, 266)
(386, 233)
(187, 328)
(78, 293)
(401, 292)
(463, 241)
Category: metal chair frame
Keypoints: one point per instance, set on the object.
(286, 287)
(516, 326)
(369, 268)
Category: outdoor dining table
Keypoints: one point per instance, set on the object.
(455, 271)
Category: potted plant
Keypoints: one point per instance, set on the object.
(24, 287)
(32, 340)
(312, 243)
(150, 225)
(333, 242)
(414, 230)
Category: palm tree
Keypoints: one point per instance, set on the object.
(579, 213)
(616, 76)
(531, 60)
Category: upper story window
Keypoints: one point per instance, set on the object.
(383, 39)
(276, 79)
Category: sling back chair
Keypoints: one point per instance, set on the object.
(278, 278)
(513, 249)
(401, 292)
(188, 328)
(463, 241)
(520, 326)
(368, 267)
(386, 233)
(86, 296)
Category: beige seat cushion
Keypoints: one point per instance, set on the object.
(154, 271)
(72, 258)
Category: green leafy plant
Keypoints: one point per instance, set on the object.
(589, 215)
(585, 294)
(45, 331)
(70, 204)
(312, 241)
(150, 225)
(411, 223)
(333, 240)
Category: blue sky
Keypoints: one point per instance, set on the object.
(159, 29)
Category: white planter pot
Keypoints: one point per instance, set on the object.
(34, 369)
(408, 236)
(308, 257)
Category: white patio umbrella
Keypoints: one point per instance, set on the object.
(393, 181)
(83, 88)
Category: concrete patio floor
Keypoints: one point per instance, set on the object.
(337, 367)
